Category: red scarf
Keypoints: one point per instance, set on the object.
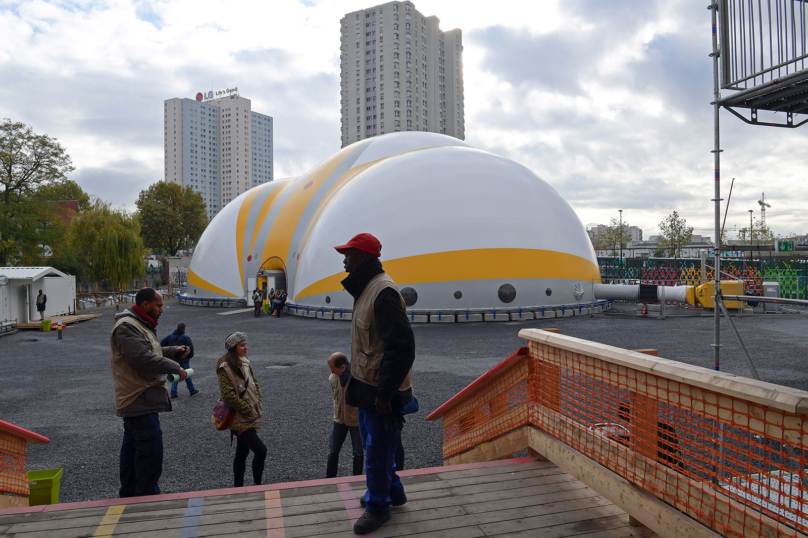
(144, 316)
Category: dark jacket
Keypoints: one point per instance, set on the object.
(179, 338)
(399, 344)
(138, 354)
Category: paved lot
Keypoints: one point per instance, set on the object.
(62, 389)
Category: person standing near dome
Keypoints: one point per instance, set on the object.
(382, 355)
(239, 388)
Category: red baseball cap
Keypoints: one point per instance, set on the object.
(364, 242)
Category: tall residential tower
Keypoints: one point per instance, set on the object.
(220, 147)
(399, 72)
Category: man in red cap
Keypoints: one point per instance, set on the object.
(382, 354)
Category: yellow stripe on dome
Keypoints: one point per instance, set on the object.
(267, 206)
(199, 282)
(477, 264)
(286, 222)
(343, 183)
(332, 193)
(241, 228)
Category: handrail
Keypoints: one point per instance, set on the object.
(728, 451)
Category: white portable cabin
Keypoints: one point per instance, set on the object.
(18, 296)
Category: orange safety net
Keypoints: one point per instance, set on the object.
(13, 465)
(736, 466)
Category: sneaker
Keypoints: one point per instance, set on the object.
(194, 393)
(175, 396)
(370, 522)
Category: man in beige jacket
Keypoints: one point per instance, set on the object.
(139, 365)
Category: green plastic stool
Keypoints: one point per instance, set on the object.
(46, 324)
(44, 486)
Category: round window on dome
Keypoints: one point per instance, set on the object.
(327, 299)
(410, 296)
(548, 291)
(458, 294)
(507, 293)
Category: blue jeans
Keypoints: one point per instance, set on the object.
(380, 450)
(188, 383)
(338, 434)
(141, 456)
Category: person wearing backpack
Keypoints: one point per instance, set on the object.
(240, 390)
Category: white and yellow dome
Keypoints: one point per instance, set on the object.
(460, 227)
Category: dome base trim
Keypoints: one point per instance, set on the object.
(476, 264)
(199, 282)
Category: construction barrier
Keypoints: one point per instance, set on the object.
(729, 452)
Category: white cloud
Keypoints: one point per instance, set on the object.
(608, 101)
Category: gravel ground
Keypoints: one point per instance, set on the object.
(62, 389)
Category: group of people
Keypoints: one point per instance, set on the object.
(372, 391)
(276, 300)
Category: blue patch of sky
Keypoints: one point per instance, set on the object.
(78, 6)
(145, 12)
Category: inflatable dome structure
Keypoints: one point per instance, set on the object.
(461, 229)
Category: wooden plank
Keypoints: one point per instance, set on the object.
(404, 523)
(505, 446)
(604, 527)
(539, 523)
(659, 516)
(449, 473)
(9, 501)
(66, 320)
(769, 394)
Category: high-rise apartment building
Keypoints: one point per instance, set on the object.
(220, 147)
(399, 72)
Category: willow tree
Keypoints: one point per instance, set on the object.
(108, 241)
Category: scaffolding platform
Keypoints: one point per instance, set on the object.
(515, 497)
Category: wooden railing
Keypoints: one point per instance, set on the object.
(686, 450)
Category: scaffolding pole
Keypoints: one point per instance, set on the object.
(717, 157)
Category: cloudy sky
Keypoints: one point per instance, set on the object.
(607, 101)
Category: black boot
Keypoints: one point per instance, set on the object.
(369, 522)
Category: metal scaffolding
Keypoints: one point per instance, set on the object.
(761, 56)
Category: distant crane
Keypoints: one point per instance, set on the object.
(763, 206)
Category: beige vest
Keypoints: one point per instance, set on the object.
(367, 347)
(251, 396)
(128, 383)
(343, 413)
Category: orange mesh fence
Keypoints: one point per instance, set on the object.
(13, 465)
(734, 464)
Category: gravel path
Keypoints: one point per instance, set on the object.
(62, 389)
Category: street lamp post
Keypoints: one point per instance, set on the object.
(621, 234)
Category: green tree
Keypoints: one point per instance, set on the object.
(172, 217)
(674, 234)
(27, 162)
(761, 235)
(66, 190)
(107, 242)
